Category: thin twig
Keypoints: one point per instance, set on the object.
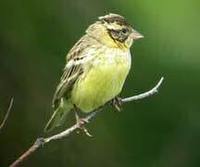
(68, 131)
(145, 94)
(38, 143)
(7, 114)
(42, 141)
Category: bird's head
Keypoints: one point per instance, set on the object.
(114, 31)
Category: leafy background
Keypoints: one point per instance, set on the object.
(161, 131)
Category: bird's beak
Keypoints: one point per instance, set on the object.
(136, 35)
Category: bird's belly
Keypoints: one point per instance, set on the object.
(101, 84)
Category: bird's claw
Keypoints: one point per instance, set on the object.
(117, 103)
(81, 122)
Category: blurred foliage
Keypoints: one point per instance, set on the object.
(161, 131)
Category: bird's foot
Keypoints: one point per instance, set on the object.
(117, 103)
(81, 122)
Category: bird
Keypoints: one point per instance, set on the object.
(96, 68)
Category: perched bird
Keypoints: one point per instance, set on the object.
(96, 68)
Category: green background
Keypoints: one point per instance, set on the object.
(161, 131)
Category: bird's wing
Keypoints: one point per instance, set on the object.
(76, 57)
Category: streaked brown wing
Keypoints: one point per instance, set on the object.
(67, 80)
(74, 67)
(71, 73)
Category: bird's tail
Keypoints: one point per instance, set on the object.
(59, 115)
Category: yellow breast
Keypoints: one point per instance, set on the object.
(102, 81)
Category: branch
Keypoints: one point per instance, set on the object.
(7, 114)
(42, 141)
(146, 94)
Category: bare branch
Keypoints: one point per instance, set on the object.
(42, 141)
(68, 131)
(38, 143)
(144, 95)
(7, 114)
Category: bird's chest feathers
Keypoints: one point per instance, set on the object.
(103, 81)
(110, 69)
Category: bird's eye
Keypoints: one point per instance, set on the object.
(124, 30)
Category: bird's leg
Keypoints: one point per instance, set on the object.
(81, 122)
(117, 103)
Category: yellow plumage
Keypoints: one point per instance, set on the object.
(103, 81)
(96, 68)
